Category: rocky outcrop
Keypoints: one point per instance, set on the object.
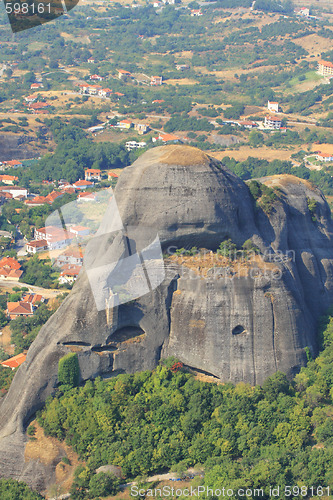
(238, 324)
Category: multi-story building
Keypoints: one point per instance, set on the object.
(325, 68)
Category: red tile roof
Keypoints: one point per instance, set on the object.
(6, 177)
(12, 273)
(83, 183)
(10, 263)
(32, 298)
(68, 270)
(326, 63)
(13, 163)
(39, 105)
(37, 243)
(168, 137)
(15, 361)
(93, 171)
(19, 308)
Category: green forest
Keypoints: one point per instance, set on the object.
(277, 434)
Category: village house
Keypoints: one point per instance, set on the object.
(8, 179)
(38, 105)
(272, 122)
(5, 197)
(273, 107)
(16, 191)
(196, 13)
(303, 11)
(156, 80)
(20, 308)
(36, 86)
(79, 231)
(325, 68)
(141, 128)
(167, 138)
(91, 60)
(10, 269)
(33, 298)
(90, 89)
(31, 98)
(85, 197)
(35, 246)
(325, 157)
(69, 274)
(96, 78)
(15, 361)
(55, 237)
(71, 257)
(247, 124)
(37, 201)
(182, 67)
(41, 200)
(112, 175)
(105, 93)
(124, 124)
(12, 164)
(135, 145)
(122, 74)
(82, 184)
(93, 174)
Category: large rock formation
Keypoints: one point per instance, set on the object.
(238, 324)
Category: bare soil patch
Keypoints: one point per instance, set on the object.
(263, 153)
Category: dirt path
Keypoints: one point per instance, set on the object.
(48, 293)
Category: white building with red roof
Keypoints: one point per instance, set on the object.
(69, 274)
(156, 80)
(12, 164)
(8, 179)
(55, 237)
(82, 184)
(272, 122)
(325, 157)
(123, 74)
(325, 68)
(273, 107)
(10, 269)
(96, 78)
(20, 308)
(35, 246)
(93, 174)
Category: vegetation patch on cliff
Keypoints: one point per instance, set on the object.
(275, 435)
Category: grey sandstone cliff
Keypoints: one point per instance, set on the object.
(240, 329)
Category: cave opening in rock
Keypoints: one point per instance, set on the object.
(126, 333)
(238, 330)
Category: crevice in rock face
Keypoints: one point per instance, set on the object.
(102, 348)
(75, 342)
(273, 334)
(158, 353)
(202, 372)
